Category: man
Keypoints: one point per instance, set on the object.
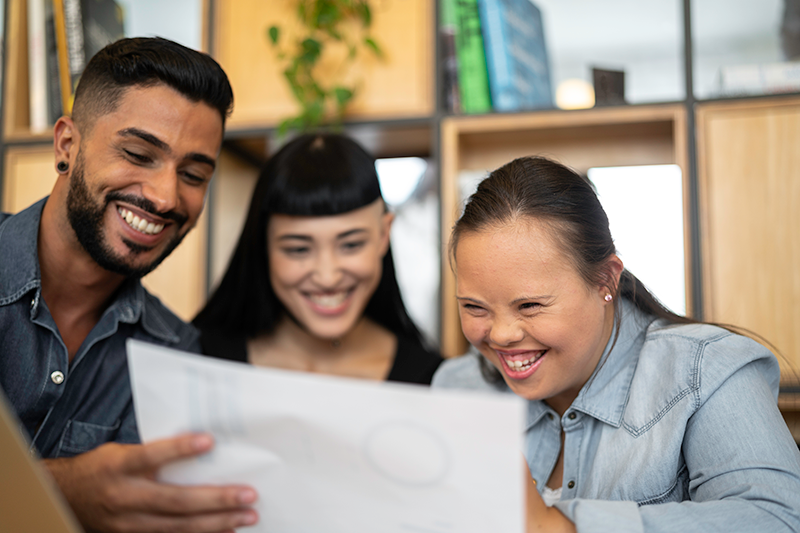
(134, 163)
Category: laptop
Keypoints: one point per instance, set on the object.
(30, 502)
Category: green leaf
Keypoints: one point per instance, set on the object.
(315, 112)
(302, 13)
(328, 14)
(274, 34)
(373, 46)
(343, 95)
(310, 50)
(365, 14)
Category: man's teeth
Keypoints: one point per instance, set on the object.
(329, 300)
(523, 364)
(139, 224)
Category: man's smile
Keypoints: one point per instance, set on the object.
(140, 224)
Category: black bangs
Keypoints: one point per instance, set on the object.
(319, 175)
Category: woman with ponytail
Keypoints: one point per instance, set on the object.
(638, 419)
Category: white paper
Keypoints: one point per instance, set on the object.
(329, 454)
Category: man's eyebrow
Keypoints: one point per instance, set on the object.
(202, 158)
(146, 137)
(161, 145)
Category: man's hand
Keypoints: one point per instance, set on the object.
(113, 488)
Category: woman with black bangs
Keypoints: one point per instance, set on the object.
(311, 285)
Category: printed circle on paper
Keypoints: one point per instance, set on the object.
(407, 453)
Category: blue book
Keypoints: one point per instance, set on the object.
(516, 56)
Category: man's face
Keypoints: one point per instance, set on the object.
(140, 176)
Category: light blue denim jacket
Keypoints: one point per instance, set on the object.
(677, 430)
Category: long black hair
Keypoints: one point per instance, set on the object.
(313, 175)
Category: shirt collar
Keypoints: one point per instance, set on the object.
(605, 395)
(19, 240)
(136, 304)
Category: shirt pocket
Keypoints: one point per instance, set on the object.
(678, 492)
(80, 437)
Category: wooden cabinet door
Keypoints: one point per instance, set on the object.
(749, 179)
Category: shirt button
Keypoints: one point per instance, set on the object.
(571, 485)
(57, 377)
(549, 416)
(572, 415)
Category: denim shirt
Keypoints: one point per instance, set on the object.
(677, 430)
(67, 408)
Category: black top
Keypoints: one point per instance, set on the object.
(413, 363)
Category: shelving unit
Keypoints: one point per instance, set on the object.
(738, 160)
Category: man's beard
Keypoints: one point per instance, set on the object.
(86, 220)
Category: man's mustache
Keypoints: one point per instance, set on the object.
(146, 205)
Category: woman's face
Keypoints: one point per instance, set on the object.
(324, 269)
(529, 312)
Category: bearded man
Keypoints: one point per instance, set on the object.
(134, 163)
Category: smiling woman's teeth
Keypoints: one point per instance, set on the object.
(139, 224)
(523, 364)
(328, 300)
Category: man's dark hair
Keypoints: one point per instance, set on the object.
(147, 62)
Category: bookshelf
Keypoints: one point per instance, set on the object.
(738, 166)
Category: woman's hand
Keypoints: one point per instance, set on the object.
(539, 516)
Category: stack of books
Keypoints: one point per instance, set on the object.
(495, 58)
(62, 36)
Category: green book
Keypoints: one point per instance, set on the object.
(473, 78)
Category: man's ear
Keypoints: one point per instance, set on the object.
(386, 229)
(66, 139)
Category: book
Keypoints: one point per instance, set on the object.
(83, 28)
(447, 35)
(473, 79)
(54, 105)
(765, 78)
(37, 67)
(516, 55)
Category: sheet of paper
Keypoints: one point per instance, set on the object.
(330, 455)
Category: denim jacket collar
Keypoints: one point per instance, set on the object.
(19, 239)
(606, 393)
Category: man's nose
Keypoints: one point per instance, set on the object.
(162, 190)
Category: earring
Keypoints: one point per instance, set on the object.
(62, 166)
(608, 297)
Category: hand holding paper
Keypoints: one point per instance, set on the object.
(332, 454)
